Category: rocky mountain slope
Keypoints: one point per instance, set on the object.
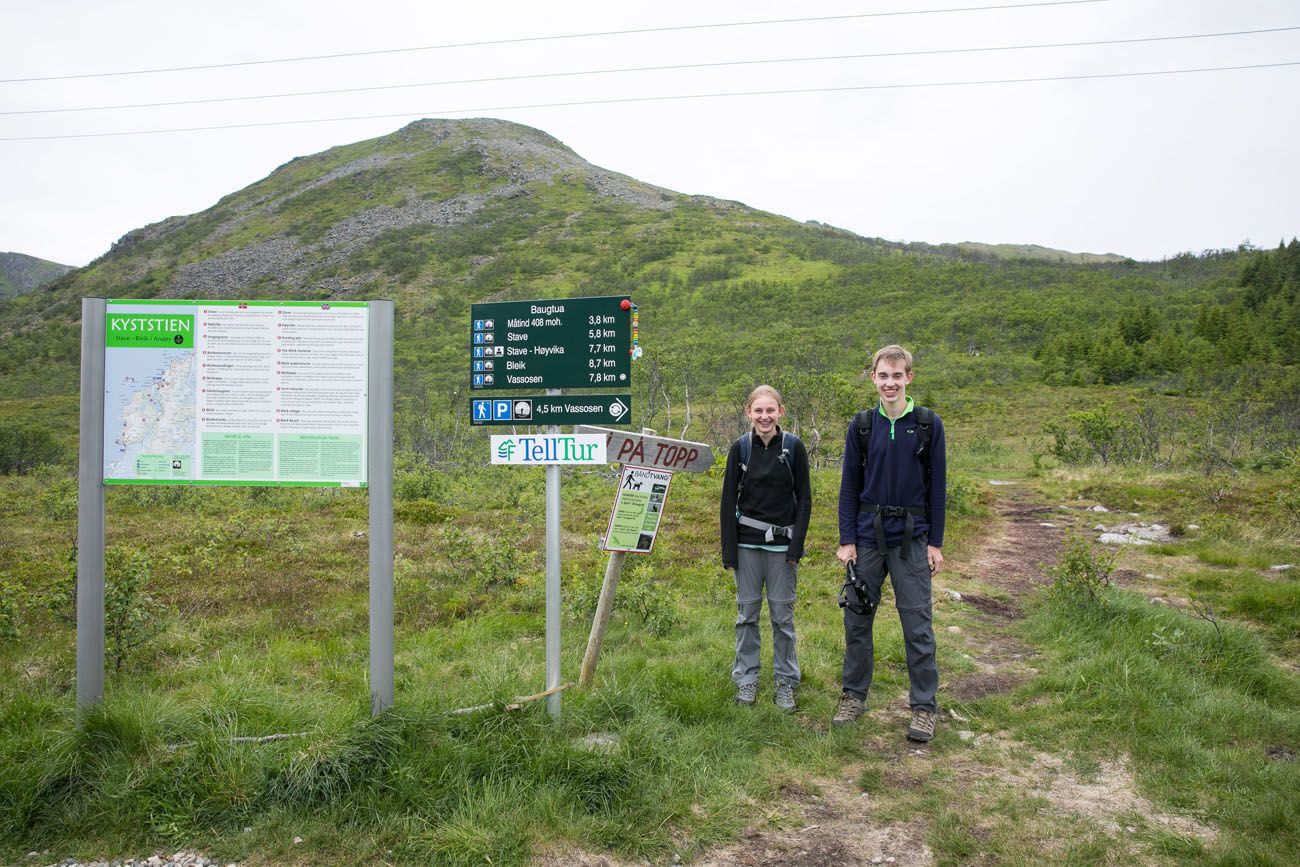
(442, 213)
(20, 273)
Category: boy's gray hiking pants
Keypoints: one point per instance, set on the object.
(911, 582)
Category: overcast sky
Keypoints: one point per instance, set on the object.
(1141, 166)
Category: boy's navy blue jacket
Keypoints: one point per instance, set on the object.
(773, 494)
(893, 476)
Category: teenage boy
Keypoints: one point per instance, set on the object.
(891, 521)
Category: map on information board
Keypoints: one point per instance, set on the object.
(235, 393)
(150, 405)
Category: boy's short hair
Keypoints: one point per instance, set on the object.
(892, 352)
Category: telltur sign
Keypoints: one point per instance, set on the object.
(526, 449)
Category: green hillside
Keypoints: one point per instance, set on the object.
(20, 273)
(444, 213)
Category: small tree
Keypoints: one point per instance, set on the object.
(132, 618)
(26, 445)
(1084, 571)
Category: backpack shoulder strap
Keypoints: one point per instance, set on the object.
(862, 424)
(788, 442)
(744, 442)
(925, 430)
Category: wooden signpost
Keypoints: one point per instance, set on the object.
(634, 450)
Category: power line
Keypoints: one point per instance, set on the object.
(668, 98)
(662, 68)
(552, 38)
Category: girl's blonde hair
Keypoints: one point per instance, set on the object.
(763, 391)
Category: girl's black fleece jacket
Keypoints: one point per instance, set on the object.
(776, 492)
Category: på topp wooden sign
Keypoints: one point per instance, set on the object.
(658, 453)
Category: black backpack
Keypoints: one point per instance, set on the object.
(924, 432)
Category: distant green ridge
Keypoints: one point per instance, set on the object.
(20, 273)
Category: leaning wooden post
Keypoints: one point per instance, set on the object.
(654, 459)
(613, 571)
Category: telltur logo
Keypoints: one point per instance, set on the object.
(548, 449)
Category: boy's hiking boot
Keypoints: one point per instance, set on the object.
(745, 693)
(922, 726)
(848, 710)
(784, 697)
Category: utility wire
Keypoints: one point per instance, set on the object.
(525, 39)
(626, 69)
(668, 98)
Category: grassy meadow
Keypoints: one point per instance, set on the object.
(249, 618)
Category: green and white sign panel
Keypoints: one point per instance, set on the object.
(235, 393)
(638, 509)
(536, 449)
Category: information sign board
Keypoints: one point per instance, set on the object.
(559, 343)
(552, 409)
(638, 509)
(662, 453)
(235, 392)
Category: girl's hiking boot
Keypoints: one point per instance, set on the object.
(848, 710)
(784, 697)
(922, 726)
(745, 693)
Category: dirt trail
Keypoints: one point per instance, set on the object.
(832, 821)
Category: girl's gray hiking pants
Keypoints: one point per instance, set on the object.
(754, 569)
(911, 581)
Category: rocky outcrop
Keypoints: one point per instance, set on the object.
(20, 273)
(514, 159)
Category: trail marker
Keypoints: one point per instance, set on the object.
(552, 344)
(642, 454)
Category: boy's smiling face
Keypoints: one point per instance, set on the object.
(891, 380)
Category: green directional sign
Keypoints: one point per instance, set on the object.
(553, 409)
(557, 343)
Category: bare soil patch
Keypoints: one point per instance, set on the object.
(1012, 555)
(984, 684)
(989, 605)
(835, 827)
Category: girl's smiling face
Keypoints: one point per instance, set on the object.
(764, 413)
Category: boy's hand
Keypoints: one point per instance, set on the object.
(935, 556)
(846, 554)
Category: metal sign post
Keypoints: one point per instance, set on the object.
(552, 344)
(553, 579)
(91, 508)
(379, 439)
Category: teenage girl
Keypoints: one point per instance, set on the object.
(766, 503)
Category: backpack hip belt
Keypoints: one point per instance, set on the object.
(906, 512)
(770, 531)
